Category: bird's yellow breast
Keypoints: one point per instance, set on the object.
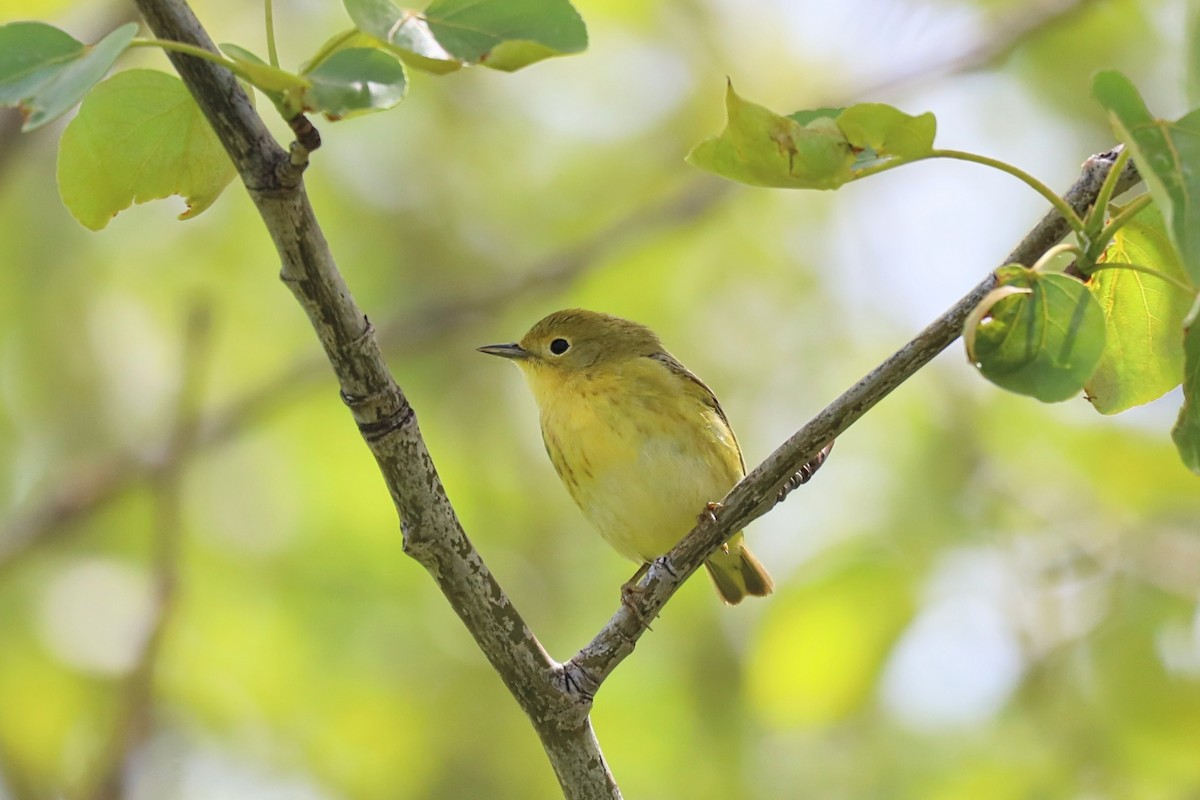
(641, 449)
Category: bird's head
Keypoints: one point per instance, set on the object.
(575, 341)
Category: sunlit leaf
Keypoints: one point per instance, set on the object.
(1044, 342)
(1143, 317)
(820, 149)
(1168, 158)
(45, 72)
(501, 34)
(1186, 432)
(888, 131)
(355, 81)
(761, 148)
(139, 136)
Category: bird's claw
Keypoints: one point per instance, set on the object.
(709, 514)
(804, 474)
(630, 592)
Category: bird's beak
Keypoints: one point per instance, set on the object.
(513, 351)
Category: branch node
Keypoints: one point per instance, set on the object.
(380, 414)
(577, 684)
(368, 332)
(664, 563)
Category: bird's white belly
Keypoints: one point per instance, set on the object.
(646, 505)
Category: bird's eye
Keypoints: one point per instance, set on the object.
(559, 346)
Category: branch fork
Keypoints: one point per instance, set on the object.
(556, 697)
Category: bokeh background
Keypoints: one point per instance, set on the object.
(202, 589)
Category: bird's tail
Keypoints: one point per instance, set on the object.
(737, 573)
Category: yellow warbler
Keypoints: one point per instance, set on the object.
(640, 442)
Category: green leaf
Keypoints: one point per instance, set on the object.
(1186, 432)
(404, 31)
(819, 149)
(272, 81)
(501, 34)
(812, 114)
(1044, 342)
(888, 131)
(760, 148)
(1143, 315)
(1167, 155)
(139, 136)
(428, 64)
(30, 53)
(45, 72)
(506, 34)
(356, 81)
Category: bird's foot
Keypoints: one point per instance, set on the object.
(709, 514)
(804, 474)
(630, 593)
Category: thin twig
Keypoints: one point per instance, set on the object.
(759, 491)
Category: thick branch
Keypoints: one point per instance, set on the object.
(432, 533)
(759, 491)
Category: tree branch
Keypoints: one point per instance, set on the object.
(386, 420)
(759, 491)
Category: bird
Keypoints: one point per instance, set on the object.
(641, 443)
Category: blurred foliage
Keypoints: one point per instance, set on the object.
(979, 596)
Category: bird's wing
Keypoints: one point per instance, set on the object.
(710, 399)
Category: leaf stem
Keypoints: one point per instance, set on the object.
(272, 53)
(192, 50)
(1106, 193)
(1045, 191)
(1055, 252)
(1127, 213)
(1190, 291)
